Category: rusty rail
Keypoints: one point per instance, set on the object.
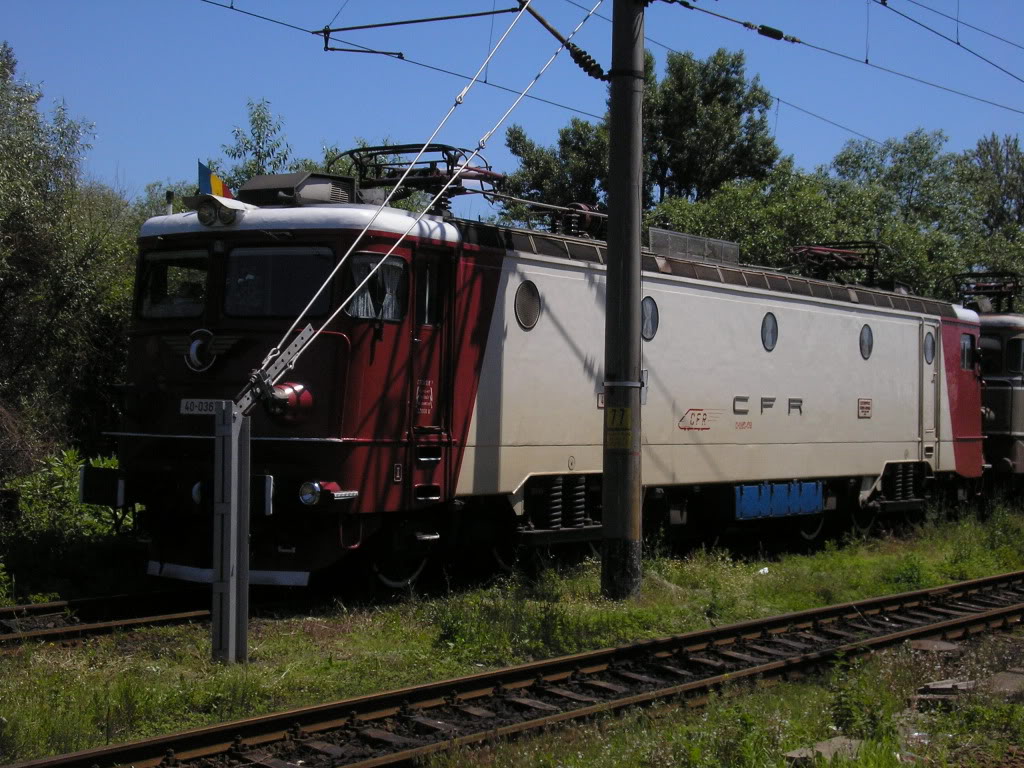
(397, 727)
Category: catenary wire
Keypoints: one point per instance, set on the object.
(459, 99)
(787, 103)
(335, 17)
(422, 64)
(963, 23)
(778, 35)
(407, 22)
(454, 177)
(957, 43)
(280, 23)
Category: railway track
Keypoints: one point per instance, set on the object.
(72, 619)
(397, 727)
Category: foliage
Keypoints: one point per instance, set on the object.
(65, 274)
(259, 149)
(705, 124)
(573, 171)
(714, 123)
(995, 168)
(927, 205)
(53, 539)
(160, 679)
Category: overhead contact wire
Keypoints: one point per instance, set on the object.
(960, 22)
(459, 99)
(400, 57)
(787, 103)
(777, 34)
(481, 143)
(948, 39)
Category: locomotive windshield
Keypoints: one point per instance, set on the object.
(276, 282)
(1015, 355)
(991, 356)
(174, 284)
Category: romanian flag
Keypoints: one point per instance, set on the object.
(212, 184)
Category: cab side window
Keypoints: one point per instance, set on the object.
(384, 297)
(966, 351)
(991, 356)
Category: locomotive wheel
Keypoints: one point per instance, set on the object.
(862, 520)
(398, 571)
(810, 528)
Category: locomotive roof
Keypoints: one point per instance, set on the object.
(456, 231)
(326, 216)
(1004, 321)
(548, 244)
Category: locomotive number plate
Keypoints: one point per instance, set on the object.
(194, 406)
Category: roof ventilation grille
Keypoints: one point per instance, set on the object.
(303, 188)
(665, 242)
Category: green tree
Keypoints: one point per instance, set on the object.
(704, 124)
(65, 275)
(764, 216)
(258, 149)
(995, 170)
(714, 125)
(153, 200)
(573, 171)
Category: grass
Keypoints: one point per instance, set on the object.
(122, 687)
(747, 726)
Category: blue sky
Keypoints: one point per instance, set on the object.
(164, 81)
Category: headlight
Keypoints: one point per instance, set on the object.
(207, 213)
(309, 493)
(197, 494)
(226, 215)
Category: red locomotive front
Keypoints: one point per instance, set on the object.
(359, 429)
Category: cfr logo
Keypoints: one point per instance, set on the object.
(741, 405)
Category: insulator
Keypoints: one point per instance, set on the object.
(586, 62)
(574, 501)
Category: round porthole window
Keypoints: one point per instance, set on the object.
(527, 305)
(929, 348)
(769, 331)
(867, 341)
(649, 318)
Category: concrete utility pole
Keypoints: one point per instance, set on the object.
(620, 563)
(230, 612)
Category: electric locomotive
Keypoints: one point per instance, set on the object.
(457, 401)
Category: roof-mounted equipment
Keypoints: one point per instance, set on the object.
(378, 169)
(302, 188)
(987, 292)
(840, 261)
(215, 210)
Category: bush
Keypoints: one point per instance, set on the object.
(54, 542)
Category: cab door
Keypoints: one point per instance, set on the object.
(430, 439)
(930, 362)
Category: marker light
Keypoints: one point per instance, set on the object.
(211, 209)
(309, 493)
(207, 213)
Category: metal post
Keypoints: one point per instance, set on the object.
(620, 563)
(231, 534)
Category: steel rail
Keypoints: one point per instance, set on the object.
(71, 631)
(953, 611)
(97, 615)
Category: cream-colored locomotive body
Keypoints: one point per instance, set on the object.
(793, 380)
